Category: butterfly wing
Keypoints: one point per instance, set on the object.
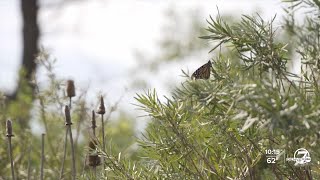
(202, 72)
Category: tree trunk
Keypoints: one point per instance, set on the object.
(25, 87)
(29, 9)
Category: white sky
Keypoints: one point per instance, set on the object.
(94, 41)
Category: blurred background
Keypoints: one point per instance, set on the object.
(118, 48)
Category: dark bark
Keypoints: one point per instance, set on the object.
(30, 34)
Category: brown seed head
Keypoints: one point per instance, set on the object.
(94, 160)
(101, 109)
(9, 128)
(67, 115)
(93, 120)
(70, 89)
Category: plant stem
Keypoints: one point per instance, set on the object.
(42, 157)
(73, 154)
(70, 102)
(103, 141)
(102, 129)
(29, 163)
(64, 153)
(65, 145)
(11, 158)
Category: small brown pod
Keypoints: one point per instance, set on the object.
(67, 115)
(93, 120)
(101, 108)
(94, 160)
(71, 92)
(9, 128)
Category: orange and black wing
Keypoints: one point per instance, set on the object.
(202, 72)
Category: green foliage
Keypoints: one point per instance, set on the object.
(121, 136)
(45, 112)
(220, 128)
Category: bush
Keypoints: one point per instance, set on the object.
(224, 127)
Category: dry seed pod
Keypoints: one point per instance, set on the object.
(67, 115)
(94, 160)
(101, 109)
(70, 89)
(9, 128)
(93, 120)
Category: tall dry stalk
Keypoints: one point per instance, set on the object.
(71, 92)
(102, 111)
(64, 153)
(68, 124)
(9, 135)
(42, 156)
(93, 159)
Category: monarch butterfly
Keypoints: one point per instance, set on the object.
(203, 72)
